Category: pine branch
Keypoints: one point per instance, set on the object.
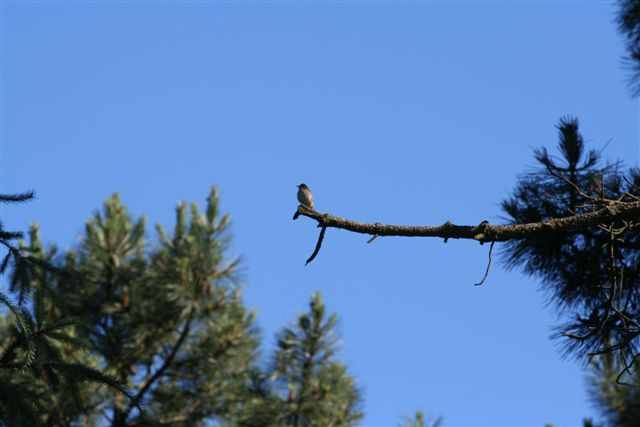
(158, 373)
(17, 198)
(22, 319)
(79, 372)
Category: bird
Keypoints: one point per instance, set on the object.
(305, 197)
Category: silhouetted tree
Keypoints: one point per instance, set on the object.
(593, 274)
(629, 25)
(35, 365)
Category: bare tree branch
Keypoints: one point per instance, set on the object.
(484, 232)
(614, 216)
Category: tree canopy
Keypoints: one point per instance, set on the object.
(164, 324)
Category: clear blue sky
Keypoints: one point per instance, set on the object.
(397, 112)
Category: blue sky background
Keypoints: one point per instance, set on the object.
(393, 112)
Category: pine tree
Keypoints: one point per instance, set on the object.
(619, 403)
(319, 390)
(306, 386)
(592, 275)
(35, 367)
(166, 320)
(629, 25)
(419, 420)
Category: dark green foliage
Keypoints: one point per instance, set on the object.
(620, 403)
(17, 198)
(318, 389)
(593, 274)
(418, 420)
(34, 364)
(306, 386)
(8, 239)
(629, 25)
(165, 320)
(576, 267)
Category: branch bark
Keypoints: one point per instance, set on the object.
(146, 385)
(484, 232)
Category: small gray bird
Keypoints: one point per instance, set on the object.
(305, 196)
